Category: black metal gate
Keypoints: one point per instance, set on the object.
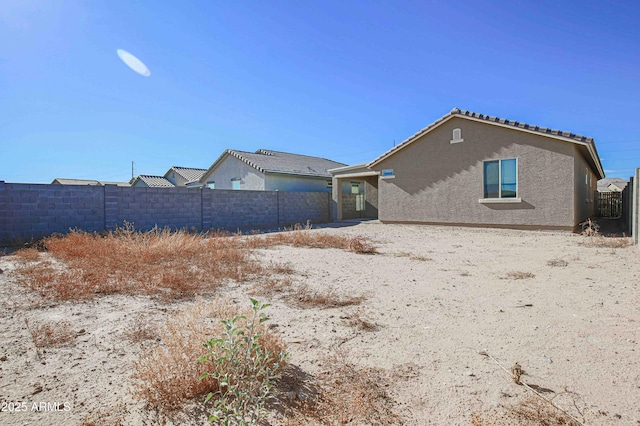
(609, 204)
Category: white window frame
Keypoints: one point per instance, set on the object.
(516, 199)
(387, 174)
(456, 137)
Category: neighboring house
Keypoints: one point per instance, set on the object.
(148, 181)
(63, 181)
(612, 185)
(175, 176)
(266, 170)
(471, 169)
(184, 176)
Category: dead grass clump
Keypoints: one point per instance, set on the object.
(299, 236)
(557, 263)
(344, 394)
(27, 255)
(530, 411)
(358, 321)
(519, 275)
(306, 297)
(601, 241)
(361, 245)
(590, 228)
(141, 331)
(51, 334)
(167, 373)
(270, 287)
(169, 264)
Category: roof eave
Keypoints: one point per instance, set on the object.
(588, 143)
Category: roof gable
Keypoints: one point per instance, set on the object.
(153, 181)
(190, 174)
(267, 161)
(587, 142)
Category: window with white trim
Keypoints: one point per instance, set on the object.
(235, 183)
(500, 178)
(211, 185)
(456, 137)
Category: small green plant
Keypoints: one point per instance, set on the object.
(245, 371)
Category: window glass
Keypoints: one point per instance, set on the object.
(235, 184)
(211, 185)
(508, 178)
(491, 179)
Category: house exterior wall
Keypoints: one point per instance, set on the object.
(176, 179)
(275, 182)
(371, 197)
(231, 168)
(440, 182)
(140, 184)
(585, 183)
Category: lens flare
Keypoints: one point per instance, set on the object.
(134, 63)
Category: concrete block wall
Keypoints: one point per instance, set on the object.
(175, 208)
(34, 210)
(242, 209)
(298, 207)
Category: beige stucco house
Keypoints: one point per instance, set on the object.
(175, 176)
(471, 169)
(267, 170)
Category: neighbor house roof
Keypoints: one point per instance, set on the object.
(584, 141)
(266, 161)
(64, 181)
(612, 184)
(190, 174)
(153, 181)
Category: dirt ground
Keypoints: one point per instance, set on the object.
(452, 306)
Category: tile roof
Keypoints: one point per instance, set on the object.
(525, 126)
(456, 112)
(267, 161)
(65, 181)
(189, 173)
(155, 181)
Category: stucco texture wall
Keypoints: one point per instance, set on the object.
(585, 183)
(275, 182)
(232, 168)
(439, 182)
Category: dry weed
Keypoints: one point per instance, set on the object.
(141, 331)
(306, 297)
(590, 228)
(516, 373)
(530, 411)
(519, 275)
(51, 334)
(601, 241)
(358, 321)
(167, 373)
(361, 245)
(342, 394)
(270, 287)
(27, 255)
(159, 262)
(557, 262)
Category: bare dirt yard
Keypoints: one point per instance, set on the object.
(442, 326)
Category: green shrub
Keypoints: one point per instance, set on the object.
(245, 370)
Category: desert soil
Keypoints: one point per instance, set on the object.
(444, 298)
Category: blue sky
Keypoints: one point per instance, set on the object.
(337, 79)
